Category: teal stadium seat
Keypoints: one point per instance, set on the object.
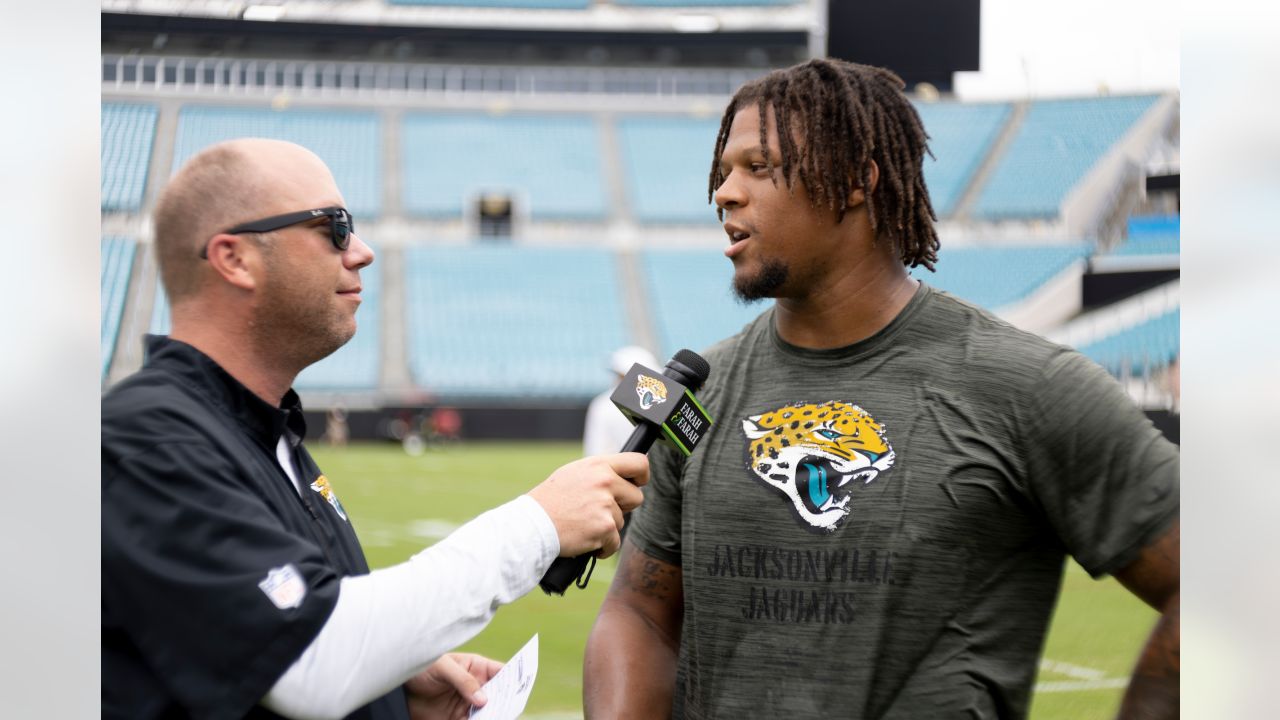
(128, 132)
(354, 367)
(960, 136)
(1155, 235)
(552, 162)
(117, 266)
(504, 321)
(666, 162)
(691, 298)
(1057, 144)
(1151, 344)
(994, 277)
(348, 141)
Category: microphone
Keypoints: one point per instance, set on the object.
(661, 407)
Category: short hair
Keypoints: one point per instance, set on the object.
(212, 190)
(847, 115)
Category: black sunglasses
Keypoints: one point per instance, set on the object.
(341, 225)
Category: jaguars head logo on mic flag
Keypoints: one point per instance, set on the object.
(651, 391)
(817, 455)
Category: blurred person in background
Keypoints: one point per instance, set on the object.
(233, 582)
(606, 428)
(876, 526)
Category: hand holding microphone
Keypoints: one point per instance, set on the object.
(661, 406)
(586, 500)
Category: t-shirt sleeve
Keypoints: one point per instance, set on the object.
(217, 596)
(1104, 475)
(655, 525)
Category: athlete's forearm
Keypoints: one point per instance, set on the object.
(1153, 690)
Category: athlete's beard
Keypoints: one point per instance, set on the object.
(764, 284)
(297, 325)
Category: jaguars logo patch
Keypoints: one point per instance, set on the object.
(651, 391)
(321, 485)
(817, 454)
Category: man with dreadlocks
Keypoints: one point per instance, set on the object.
(877, 523)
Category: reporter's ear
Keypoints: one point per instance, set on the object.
(235, 259)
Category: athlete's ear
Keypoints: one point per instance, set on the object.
(858, 194)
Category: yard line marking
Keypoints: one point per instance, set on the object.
(1075, 671)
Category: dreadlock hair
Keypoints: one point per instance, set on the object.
(846, 116)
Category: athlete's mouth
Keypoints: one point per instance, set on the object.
(823, 488)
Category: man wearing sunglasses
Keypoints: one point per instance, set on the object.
(233, 582)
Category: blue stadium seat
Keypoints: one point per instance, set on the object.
(691, 299)
(117, 266)
(127, 134)
(1058, 143)
(355, 366)
(960, 136)
(348, 141)
(1155, 235)
(509, 321)
(993, 277)
(552, 162)
(1151, 344)
(666, 163)
(535, 4)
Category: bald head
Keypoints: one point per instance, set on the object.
(222, 186)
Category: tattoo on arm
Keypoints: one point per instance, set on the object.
(650, 577)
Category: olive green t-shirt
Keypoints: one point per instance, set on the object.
(879, 531)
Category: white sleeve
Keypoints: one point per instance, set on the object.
(390, 624)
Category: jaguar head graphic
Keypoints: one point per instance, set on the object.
(817, 455)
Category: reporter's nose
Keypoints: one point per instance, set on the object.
(357, 255)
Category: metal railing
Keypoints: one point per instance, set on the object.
(346, 79)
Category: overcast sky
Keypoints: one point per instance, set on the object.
(1052, 47)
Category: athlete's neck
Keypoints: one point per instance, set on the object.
(859, 304)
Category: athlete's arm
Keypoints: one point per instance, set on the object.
(630, 666)
(1154, 577)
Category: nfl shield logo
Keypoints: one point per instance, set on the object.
(284, 586)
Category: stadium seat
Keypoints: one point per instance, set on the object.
(1058, 142)
(1150, 345)
(504, 321)
(549, 163)
(666, 162)
(117, 267)
(995, 277)
(348, 141)
(128, 132)
(960, 136)
(1156, 235)
(691, 299)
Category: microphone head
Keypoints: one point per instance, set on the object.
(693, 366)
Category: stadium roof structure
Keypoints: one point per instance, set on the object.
(775, 16)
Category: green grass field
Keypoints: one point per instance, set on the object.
(400, 504)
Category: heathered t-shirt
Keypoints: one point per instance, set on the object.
(879, 531)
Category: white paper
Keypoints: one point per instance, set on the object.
(509, 690)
